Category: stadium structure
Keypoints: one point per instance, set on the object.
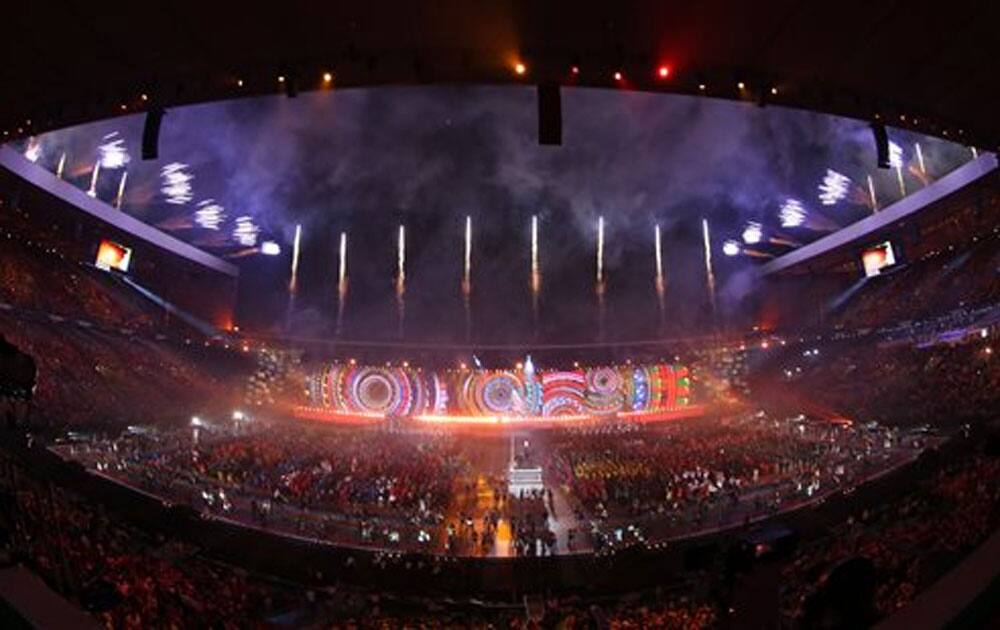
(502, 315)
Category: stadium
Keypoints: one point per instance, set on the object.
(500, 315)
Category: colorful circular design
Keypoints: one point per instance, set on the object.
(605, 381)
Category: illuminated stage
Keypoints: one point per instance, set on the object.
(521, 397)
(321, 414)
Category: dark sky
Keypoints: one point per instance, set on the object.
(365, 160)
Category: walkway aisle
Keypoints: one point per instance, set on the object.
(562, 519)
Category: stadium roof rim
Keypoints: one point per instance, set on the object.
(36, 176)
(870, 226)
(926, 66)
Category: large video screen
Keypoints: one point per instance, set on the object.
(877, 258)
(597, 391)
(111, 255)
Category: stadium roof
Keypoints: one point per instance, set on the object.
(928, 66)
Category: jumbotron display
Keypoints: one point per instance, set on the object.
(590, 392)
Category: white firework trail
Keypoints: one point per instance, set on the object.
(896, 162)
(895, 155)
(792, 213)
(61, 166)
(94, 174)
(341, 283)
(176, 186)
(401, 281)
(871, 194)
(658, 281)
(112, 152)
(600, 250)
(121, 191)
(245, 233)
(293, 283)
(834, 187)
(536, 274)
(33, 151)
(709, 274)
(342, 268)
(753, 233)
(467, 268)
(209, 214)
(920, 159)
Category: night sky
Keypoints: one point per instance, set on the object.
(364, 160)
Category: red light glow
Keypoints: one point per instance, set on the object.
(664, 72)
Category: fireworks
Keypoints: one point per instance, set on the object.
(871, 193)
(342, 268)
(33, 151)
(400, 281)
(920, 160)
(709, 275)
(245, 233)
(112, 152)
(176, 185)
(535, 269)
(896, 162)
(61, 166)
(895, 155)
(753, 233)
(467, 271)
(270, 248)
(658, 252)
(210, 215)
(293, 283)
(792, 213)
(834, 187)
(121, 191)
(600, 250)
(94, 174)
(731, 247)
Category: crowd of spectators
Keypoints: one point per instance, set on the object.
(708, 472)
(910, 541)
(126, 577)
(936, 284)
(902, 383)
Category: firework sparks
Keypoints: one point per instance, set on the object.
(293, 283)
(33, 151)
(210, 215)
(920, 159)
(94, 174)
(401, 259)
(792, 213)
(658, 281)
(400, 281)
(535, 268)
(975, 153)
(895, 155)
(896, 162)
(731, 247)
(871, 193)
(121, 191)
(753, 233)
(61, 166)
(709, 275)
(341, 283)
(113, 153)
(245, 233)
(467, 270)
(600, 250)
(342, 268)
(834, 187)
(176, 185)
(658, 253)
